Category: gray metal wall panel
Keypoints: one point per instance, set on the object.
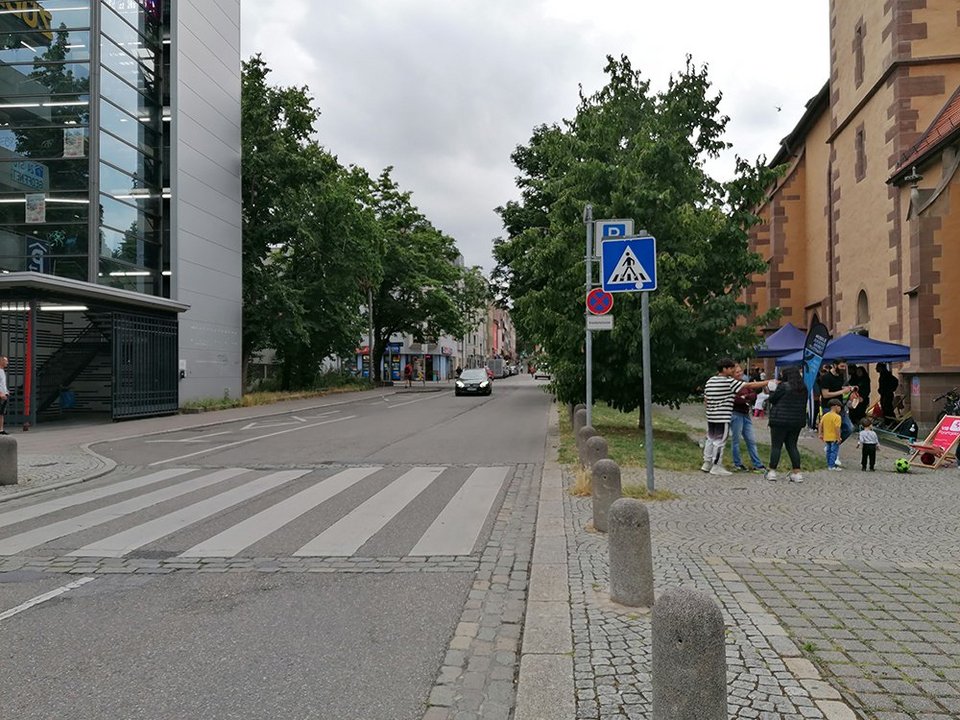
(206, 198)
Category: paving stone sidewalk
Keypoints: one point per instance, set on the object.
(37, 471)
(841, 595)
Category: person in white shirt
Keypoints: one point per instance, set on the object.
(867, 441)
(718, 394)
(760, 404)
(4, 392)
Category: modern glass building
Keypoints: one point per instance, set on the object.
(120, 251)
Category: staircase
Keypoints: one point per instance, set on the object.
(66, 364)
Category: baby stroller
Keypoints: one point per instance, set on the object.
(902, 424)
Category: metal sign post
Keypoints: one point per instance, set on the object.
(629, 264)
(588, 257)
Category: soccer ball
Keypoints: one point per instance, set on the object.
(903, 465)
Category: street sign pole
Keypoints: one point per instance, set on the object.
(647, 384)
(588, 257)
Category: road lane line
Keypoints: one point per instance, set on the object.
(411, 402)
(33, 602)
(38, 536)
(247, 440)
(45, 508)
(129, 540)
(198, 438)
(350, 532)
(244, 534)
(455, 530)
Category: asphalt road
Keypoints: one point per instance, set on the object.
(325, 559)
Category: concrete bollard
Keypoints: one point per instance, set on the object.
(631, 557)
(579, 420)
(8, 460)
(586, 432)
(605, 490)
(689, 657)
(595, 449)
(573, 411)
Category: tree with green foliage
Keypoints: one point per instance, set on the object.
(422, 293)
(630, 152)
(309, 234)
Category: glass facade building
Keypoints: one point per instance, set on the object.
(110, 109)
(82, 98)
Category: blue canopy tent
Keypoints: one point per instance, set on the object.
(784, 341)
(856, 349)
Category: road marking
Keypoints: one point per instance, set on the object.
(246, 440)
(410, 402)
(350, 532)
(32, 602)
(198, 438)
(38, 536)
(244, 534)
(455, 530)
(260, 426)
(129, 540)
(45, 508)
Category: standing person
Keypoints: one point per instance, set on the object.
(860, 397)
(718, 394)
(833, 387)
(408, 374)
(4, 391)
(458, 371)
(788, 415)
(867, 442)
(886, 386)
(830, 433)
(741, 425)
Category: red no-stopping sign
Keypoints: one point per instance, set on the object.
(599, 302)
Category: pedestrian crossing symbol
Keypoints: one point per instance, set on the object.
(629, 264)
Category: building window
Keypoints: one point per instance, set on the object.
(858, 61)
(863, 308)
(861, 166)
(44, 137)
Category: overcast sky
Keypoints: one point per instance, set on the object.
(444, 90)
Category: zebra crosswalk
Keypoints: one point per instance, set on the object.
(226, 513)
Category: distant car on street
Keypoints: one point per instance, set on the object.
(541, 372)
(473, 382)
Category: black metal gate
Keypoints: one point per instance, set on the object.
(144, 365)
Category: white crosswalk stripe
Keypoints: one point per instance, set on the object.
(126, 542)
(456, 528)
(244, 534)
(406, 508)
(348, 534)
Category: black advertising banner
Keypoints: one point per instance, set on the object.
(813, 349)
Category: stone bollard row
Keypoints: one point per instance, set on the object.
(689, 657)
(631, 555)
(605, 489)
(8, 460)
(579, 420)
(595, 449)
(586, 432)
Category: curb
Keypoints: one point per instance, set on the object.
(108, 466)
(545, 682)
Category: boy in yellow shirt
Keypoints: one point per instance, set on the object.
(830, 433)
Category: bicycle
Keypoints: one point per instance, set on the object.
(951, 404)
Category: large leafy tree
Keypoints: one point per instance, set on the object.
(421, 291)
(633, 153)
(309, 233)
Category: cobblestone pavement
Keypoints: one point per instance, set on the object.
(842, 592)
(476, 680)
(34, 471)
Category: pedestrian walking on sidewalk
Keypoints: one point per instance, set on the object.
(718, 394)
(788, 415)
(4, 391)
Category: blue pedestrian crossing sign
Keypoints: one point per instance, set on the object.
(629, 264)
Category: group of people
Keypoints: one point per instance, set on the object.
(731, 397)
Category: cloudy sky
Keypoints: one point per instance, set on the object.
(444, 90)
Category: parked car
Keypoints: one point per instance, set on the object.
(541, 372)
(473, 382)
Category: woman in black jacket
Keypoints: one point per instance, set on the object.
(788, 415)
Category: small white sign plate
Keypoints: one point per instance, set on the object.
(599, 322)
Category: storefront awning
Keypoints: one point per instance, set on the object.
(21, 285)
